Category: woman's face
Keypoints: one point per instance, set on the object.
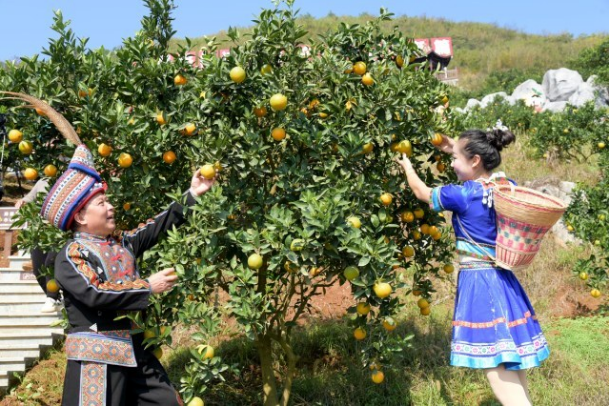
(464, 167)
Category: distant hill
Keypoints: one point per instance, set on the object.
(479, 49)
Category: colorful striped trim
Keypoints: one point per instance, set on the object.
(93, 384)
(435, 200)
(489, 324)
(82, 266)
(105, 347)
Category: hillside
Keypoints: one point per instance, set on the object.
(479, 49)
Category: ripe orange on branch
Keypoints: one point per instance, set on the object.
(125, 160)
(15, 136)
(208, 171)
(169, 157)
(104, 150)
(278, 102)
(359, 68)
(237, 74)
(50, 170)
(30, 174)
(278, 134)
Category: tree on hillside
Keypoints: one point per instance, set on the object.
(308, 195)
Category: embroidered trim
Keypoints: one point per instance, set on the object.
(105, 347)
(488, 324)
(75, 254)
(93, 384)
(525, 350)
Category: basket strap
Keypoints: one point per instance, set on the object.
(471, 239)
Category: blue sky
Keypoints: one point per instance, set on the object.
(24, 24)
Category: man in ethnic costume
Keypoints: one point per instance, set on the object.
(107, 364)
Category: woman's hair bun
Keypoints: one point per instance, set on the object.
(500, 138)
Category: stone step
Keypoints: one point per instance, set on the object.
(23, 352)
(15, 274)
(31, 330)
(25, 286)
(33, 306)
(17, 261)
(27, 320)
(26, 338)
(3, 380)
(9, 298)
(13, 364)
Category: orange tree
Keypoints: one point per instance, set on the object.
(302, 145)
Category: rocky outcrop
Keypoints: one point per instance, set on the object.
(559, 88)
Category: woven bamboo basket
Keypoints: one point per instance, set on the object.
(523, 217)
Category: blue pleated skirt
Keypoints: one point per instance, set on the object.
(494, 322)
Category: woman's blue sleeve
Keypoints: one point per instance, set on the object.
(450, 197)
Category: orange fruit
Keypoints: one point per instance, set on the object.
(416, 292)
(30, 173)
(208, 171)
(354, 222)
(382, 289)
(426, 311)
(160, 118)
(237, 74)
(127, 206)
(26, 147)
(408, 251)
(583, 276)
(104, 150)
(601, 145)
(125, 160)
(437, 139)
(169, 157)
(363, 308)
(50, 170)
(359, 333)
(196, 401)
(278, 134)
(405, 147)
(158, 352)
(425, 229)
(367, 148)
(422, 303)
(265, 69)
(399, 61)
(386, 199)
(189, 129)
(419, 213)
(180, 80)
(389, 324)
(40, 112)
(255, 261)
(416, 235)
(260, 111)
(52, 286)
(359, 68)
(595, 293)
(441, 167)
(206, 351)
(367, 79)
(15, 136)
(377, 376)
(351, 272)
(407, 216)
(448, 268)
(278, 102)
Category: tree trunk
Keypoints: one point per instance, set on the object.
(270, 391)
(291, 361)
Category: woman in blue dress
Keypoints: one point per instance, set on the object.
(494, 324)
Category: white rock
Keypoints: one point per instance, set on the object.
(560, 84)
(472, 103)
(584, 93)
(486, 100)
(601, 93)
(527, 90)
(555, 107)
